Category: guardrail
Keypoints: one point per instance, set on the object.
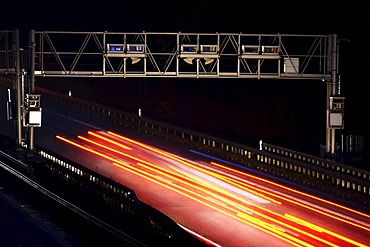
(318, 162)
(299, 167)
(327, 178)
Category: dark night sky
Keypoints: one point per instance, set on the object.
(206, 16)
(185, 16)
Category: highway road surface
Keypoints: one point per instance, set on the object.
(222, 204)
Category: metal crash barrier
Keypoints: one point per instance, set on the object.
(272, 159)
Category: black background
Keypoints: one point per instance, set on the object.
(287, 113)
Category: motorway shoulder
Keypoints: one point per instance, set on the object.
(22, 225)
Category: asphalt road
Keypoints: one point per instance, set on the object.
(225, 207)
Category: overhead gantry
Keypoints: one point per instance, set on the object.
(194, 55)
(174, 55)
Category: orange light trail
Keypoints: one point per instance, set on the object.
(113, 150)
(265, 227)
(246, 220)
(294, 220)
(160, 171)
(108, 140)
(320, 229)
(305, 194)
(172, 176)
(85, 148)
(260, 179)
(268, 228)
(236, 171)
(178, 160)
(229, 181)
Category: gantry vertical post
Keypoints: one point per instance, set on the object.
(332, 90)
(18, 85)
(31, 73)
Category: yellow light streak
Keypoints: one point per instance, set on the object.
(85, 148)
(123, 165)
(179, 160)
(309, 225)
(307, 195)
(320, 229)
(227, 180)
(166, 181)
(261, 179)
(108, 140)
(163, 172)
(255, 177)
(114, 150)
(257, 224)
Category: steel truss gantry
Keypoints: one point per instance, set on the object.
(180, 55)
(194, 55)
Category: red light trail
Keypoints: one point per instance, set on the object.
(272, 208)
